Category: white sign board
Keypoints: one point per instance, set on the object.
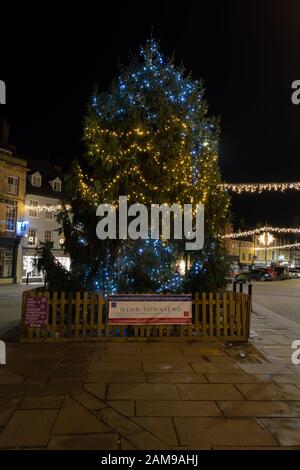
(131, 309)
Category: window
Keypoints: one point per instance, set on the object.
(36, 180)
(48, 213)
(243, 256)
(13, 185)
(32, 211)
(32, 237)
(10, 218)
(249, 257)
(57, 185)
(47, 237)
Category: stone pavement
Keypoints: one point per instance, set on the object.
(153, 395)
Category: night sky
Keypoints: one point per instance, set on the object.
(247, 53)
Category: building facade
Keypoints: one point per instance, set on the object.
(13, 172)
(240, 252)
(44, 193)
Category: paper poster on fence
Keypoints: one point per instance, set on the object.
(36, 312)
(157, 309)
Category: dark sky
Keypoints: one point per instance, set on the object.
(247, 52)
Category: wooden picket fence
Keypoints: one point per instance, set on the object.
(81, 316)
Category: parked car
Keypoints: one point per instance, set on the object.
(254, 275)
(294, 273)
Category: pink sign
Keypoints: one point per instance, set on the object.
(36, 312)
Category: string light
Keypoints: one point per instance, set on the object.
(260, 230)
(259, 187)
(46, 208)
(281, 247)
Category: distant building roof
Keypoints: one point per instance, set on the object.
(48, 172)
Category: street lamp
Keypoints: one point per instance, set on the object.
(266, 239)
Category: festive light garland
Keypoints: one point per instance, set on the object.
(46, 208)
(281, 247)
(260, 230)
(260, 187)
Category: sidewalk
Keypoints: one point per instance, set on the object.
(154, 395)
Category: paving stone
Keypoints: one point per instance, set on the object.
(125, 407)
(285, 430)
(146, 441)
(70, 370)
(170, 377)
(149, 358)
(126, 445)
(202, 350)
(217, 359)
(41, 402)
(27, 388)
(279, 351)
(7, 408)
(75, 419)
(166, 366)
(176, 408)
(7, 377)
(116, 366)
(216, 368)
(162, 428)
(124, 426)
(248, 409)
(266, 368)
(132, 349)
(220, 431)
(28, 428)
(119, 376)
(269, 391)
(286, 379)
(90, 401)
(97, 389)
(142, 391)
(237, 378)
(208, 392)
(104, 441)
(69, 384)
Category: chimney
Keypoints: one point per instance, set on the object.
(4, 133)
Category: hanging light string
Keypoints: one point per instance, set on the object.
(260, 187)
(281, 247)
(259, 230)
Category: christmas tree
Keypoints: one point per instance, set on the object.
(150, 138)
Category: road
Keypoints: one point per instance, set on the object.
(10, 310)
(282, 297)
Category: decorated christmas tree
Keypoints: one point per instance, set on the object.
(150, 138)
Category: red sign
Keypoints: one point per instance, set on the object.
(36, 312)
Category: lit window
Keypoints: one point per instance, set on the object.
(10, 219)
(36, 180)
(47, 237)
(13, 185)
(32, 237)
(48, 213)
(33, 212)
